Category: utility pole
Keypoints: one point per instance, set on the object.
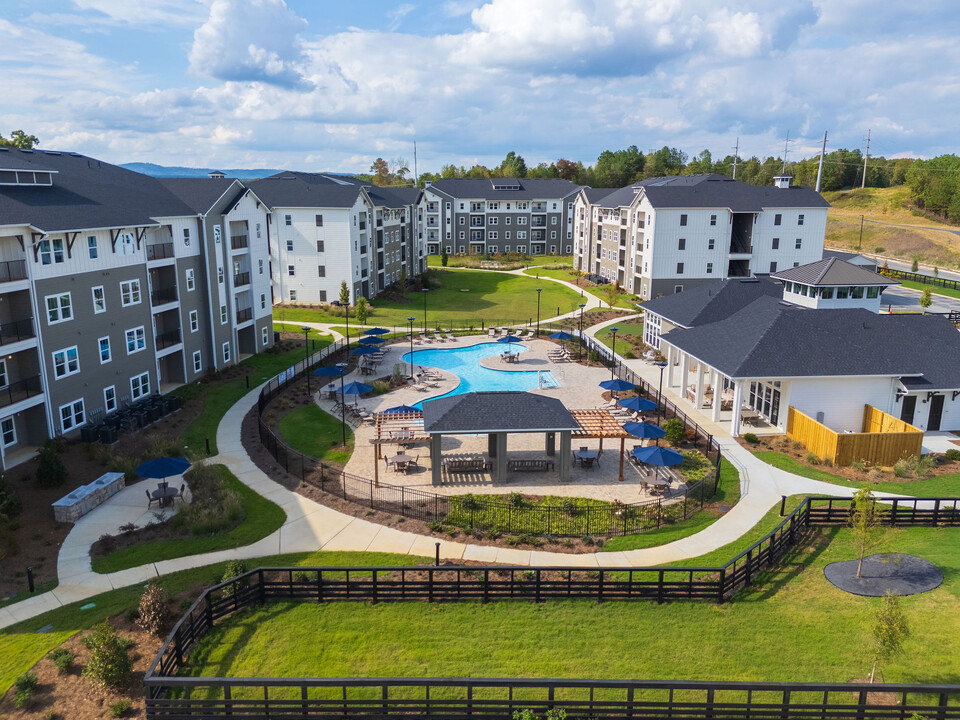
(416, 176)
(866, 156)
(786, 146)
(736, 156)
(823, 151)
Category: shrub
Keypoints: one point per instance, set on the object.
(154, 612)
(233, 568)
(120, 707)
(10, 504)
(900, 469)
(751, 438)
(674, 431)
(517, 500)
(951, 454)
(859, 465)
(63, 659)
(629, 355)
(594, 356)
(110, 664)
(589, 540)
(214, 507)
(51, 715)
(921, 465)
(23, 689)
(812, 458)
(51, 471)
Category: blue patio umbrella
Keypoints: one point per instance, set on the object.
(376, 331)
(402, 409)
(563, 335)
(657, 455)
(365, 350)
(328, 371)
(617, 385)
(644, 430)
(356, 388)
(509, 339)
(161, 468)
(371, 340)
(637, 404)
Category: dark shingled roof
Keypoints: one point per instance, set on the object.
(198, 193)
(392, 197)
(715, 191)
(306, 190)
(769, 338)
(832, 271)
(530, 188)
(481, 412)
(86, 193)
(595, 195)
(712, 302)
(848, 256)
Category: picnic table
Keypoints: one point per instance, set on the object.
(399, 461)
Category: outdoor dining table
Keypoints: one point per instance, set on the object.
(165, 494)
(750, 416)
(586, 458)
(399, 461)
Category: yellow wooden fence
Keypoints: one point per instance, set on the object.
(884, 439)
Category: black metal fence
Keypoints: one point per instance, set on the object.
(917, 277)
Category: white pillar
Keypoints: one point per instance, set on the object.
(737, 403)
(698, 397)
(671, 352)
(717, 395)
(684, 374)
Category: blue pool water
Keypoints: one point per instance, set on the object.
(465, 363)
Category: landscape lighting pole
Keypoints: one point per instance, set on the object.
(613, 352)
(343, 406)
(425, 291)
(346, 316)
(410, 320)
(662, 365)
(539, 290)
(306, 363)
(580, 345)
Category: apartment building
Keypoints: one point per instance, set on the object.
(666, 235)
(497, 215)
(106, 290)
(326, 229)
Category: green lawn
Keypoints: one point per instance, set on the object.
(792, 626)
(262, 518)
(633, 329)
(21, 646)
(935, 289)
(317, 433)
(436, 262)
(218, 396)
(938, 486)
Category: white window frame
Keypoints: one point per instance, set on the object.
(194, 321)
(76, 415)
(265, 336)
(197, 362)
(66, 362)
(99, 306)
(226, 352)
(110, 398)
(4, 430)
(293, 296)
(93, 248)
(223, 308)
(191, 280)
(4, 379)
(56, 314)
(130, 289)
(139, 337)
(100, 348)
(140, 386)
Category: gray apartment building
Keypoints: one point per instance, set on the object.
(113, 286)
(471, 216)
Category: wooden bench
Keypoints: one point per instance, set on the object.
(529, 465)
(464, 465)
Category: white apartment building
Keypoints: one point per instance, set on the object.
(666, 235)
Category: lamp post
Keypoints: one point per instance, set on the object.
(580, 345)
(410, 320)
(306, 363)
(613, 352)
(425, 291)
(662, 365)
(539, 290)
(343, 405)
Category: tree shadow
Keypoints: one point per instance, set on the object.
(811, 543)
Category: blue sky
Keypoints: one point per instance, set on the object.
(333, 84)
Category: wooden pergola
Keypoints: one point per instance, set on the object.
(393, 428)
(597, 423)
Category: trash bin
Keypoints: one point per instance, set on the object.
(276, 336)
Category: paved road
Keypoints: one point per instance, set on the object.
(901, 298)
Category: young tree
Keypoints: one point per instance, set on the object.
(51, 470)
(863, 521)
(380, 172)
(915, 265)
(443, 256)
(344, 294)
(926, 299)
(673, 429)
(889, 631)
(611, 293)
(362, 311)
(402, 283)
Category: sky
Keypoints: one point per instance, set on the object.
(333, 84)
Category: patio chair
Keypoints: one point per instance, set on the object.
(450, 336)
(492, 332)
(438, 336)
(183, 486)
(151, 500)
(529, 334)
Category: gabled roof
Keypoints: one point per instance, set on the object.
(713, 301)
(774, 339)
(199, 194)
(392, 197)
(595, 195)
(832, 271)
(306, 190)
(481, 412)
(483, 188)
(86, 193)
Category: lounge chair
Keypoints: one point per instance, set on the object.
(423, 337)
(438, 336)
(529, 334)
(492, 332)
(450, 336)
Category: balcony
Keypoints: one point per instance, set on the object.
(244, 315)
(15, 331)
(364, 273)
(160, 251)
(162, 296)
(432, 223)
(363, 249)
(363, 225)
(379, 222)
(238, 242)
(538, 222)
(13, 270)
(20, 390)
(165, 340)
(241, 279)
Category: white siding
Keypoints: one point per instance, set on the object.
(840, 399)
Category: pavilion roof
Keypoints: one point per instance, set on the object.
(597, 423)
(388, 425)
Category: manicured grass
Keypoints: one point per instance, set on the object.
(935, 289)
(938, 486)
(623, 300)
(262, 518)
(21, 646)
(435, 261)
(632, 329)
(792, 626)
(218, 396)
(317, 433)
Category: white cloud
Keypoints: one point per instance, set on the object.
(398, 14)
(147, 12)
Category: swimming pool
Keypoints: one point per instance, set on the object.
(465, 364)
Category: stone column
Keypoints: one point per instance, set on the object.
(737, 403)
(436, 457)
(670, 355)
(717, 395)
(565, 450)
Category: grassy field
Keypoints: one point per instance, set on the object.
(792, 626)
(317, 433)
(624, 300)
(935, 289)
(939, 486)
(262, 518)
(219, 395)
(464, 296)
(629, 335)
(473, 261)
(21, 645)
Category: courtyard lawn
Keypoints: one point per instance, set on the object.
(938, 486)
(262, 517)
(316, 433)
(792, 626)
(935, 289)
(473, 261)
(628, 333)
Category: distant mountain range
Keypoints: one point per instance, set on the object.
(176, 171)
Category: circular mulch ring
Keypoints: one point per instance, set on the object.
(885, 572)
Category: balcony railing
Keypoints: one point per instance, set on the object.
(363, 226)
(16, 330)
(244, 315)
(238, 242)
(364, 272)
(161, 296)
(241, 279)
(538, 222)
(379, 222)
(165, 340)
(160, 251)
(20, 390)
(13, 270)
(363, 249)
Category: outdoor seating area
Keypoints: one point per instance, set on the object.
(466, 465)
(165, 495)
(79, 502)
(538, 465)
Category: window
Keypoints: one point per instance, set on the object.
(92, 248)
(506, 220)
(223, 308)
(873, 292)
(800, 219)
(129, 292)
(713, 219)
(220, 275)
(319, 249)
(289, 245)
(291, 270)
(194, 321)
(197, 362)
(191, 282)
(99, 300)
(506, 235)
(856, 293)
(492, 235)
(827, 293)
(110, 398)
(45, 256)
(71, 415)
(522, 220)
(4, 380)
(553, 234)
(260, 267)
(126, 244)
(104, 350)
(263, 301)
(264, 336)
(136, 340)
(683, 220)
(59, 308)
(287, 220)
(776, 243)
(773, 267)
(678, 288)
(553, 220)
(711, 244)
(843, 293)
(322, 269)
(319, 220)
(58, 250)
(462, 220)
(679, 268)
(226, 352)
(186, 236)
(66, 362)
(293, 296)
(140, 386)
(463, 235)
(709, 268)
(682, 244)
(799, 243)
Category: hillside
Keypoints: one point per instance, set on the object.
(884, 210)
(177, 171)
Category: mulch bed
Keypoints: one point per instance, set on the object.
(895, 573)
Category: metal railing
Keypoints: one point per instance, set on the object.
(920, 278)
(16, 330)
(12, 270)
(166, 339)
(162, 296)
(238, 242)
(160, 251)
(241, 279)
(20, 390)
(244, 315)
